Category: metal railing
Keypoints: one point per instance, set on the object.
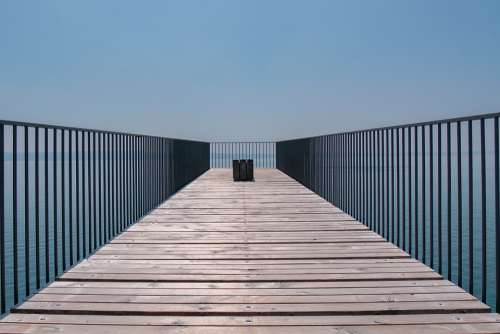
(223, 153)
(65, 192)
(431, 188)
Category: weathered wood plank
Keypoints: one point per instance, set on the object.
(486, 328)
(365, 320)
(254, 285)
(351, 308)
(250, 292)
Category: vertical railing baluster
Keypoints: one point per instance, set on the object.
(378, 186)
(359, 174)
(148, 173)
(112, 190)
(350, 169)
(37, 204)
(142, 164)
(387, 180)
(431, 194)
(90, 191)
(398, 195)
(330, 161)
(439, 200)
(392, 188)
(99, 186)
(416, 230)
(410, 227)
(119, 184)
(70, 198)
(362, 174)
(322, 166)
(14, 214)
(359, 149)
(344, 174)
(383, 185)
(54, 196)
(137, 157)
(3, 300)
(131, 167)
(424, 221)
(126, 183)
(373, 182)
(350, 174)
(94, 193)
(132, 186)
(154, 174)
(403, 186)
(448, 184)
(349, 190)
(63, 205)
(162, 190)
(483, 214)
(496, 138)
(84, 207)
(470, 209)
(459, 203)
(354, 175)
(77, 194)
(370, 178)
(26, 214)
(122, 184)
(46, 202)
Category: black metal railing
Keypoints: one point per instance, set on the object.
(431, 188)
(263, 153)
(65, 192)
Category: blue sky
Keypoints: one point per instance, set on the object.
(218, 70)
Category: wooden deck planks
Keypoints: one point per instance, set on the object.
(268, 256)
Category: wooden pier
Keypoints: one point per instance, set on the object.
(268, 256)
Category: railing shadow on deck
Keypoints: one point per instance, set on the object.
(431, 188)
(65, 192)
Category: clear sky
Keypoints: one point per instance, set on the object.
(254, 69)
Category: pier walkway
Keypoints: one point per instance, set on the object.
(268, 256)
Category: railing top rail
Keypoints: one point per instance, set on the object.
(244, 142)
(72, 128)
(408, 125)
